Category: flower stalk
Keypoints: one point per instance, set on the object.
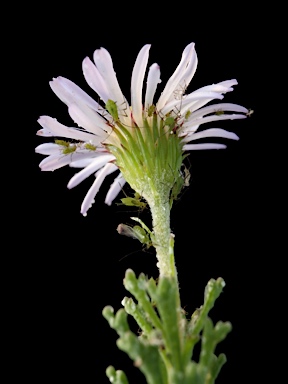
(160, 212)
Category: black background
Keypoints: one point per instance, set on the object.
(75, 265)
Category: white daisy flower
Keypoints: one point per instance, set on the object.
(145, 141)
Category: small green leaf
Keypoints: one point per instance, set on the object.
(116, 377)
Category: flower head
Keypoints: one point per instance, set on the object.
(145, 141)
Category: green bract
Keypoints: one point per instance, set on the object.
(150, 156)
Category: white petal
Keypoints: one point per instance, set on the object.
(48, 149)
(219, 107)
(111, 169)
(89, 198)
(187, 76)
(194, 147)
(91, 168)
(207, 119)
(220, 88)
(138, 74)
(212, 132)
(115, 188)
(53, 162)
(229, 83)
(53, 128)
(174, 80)
(187, 130)
(90, 120)
(69, 93)
(95, 80)
(82, 163)
(152, 80)
(185, 104)
(84, 157)
(104, 65)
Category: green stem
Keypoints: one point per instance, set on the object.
(164, 244)
(160, 211)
